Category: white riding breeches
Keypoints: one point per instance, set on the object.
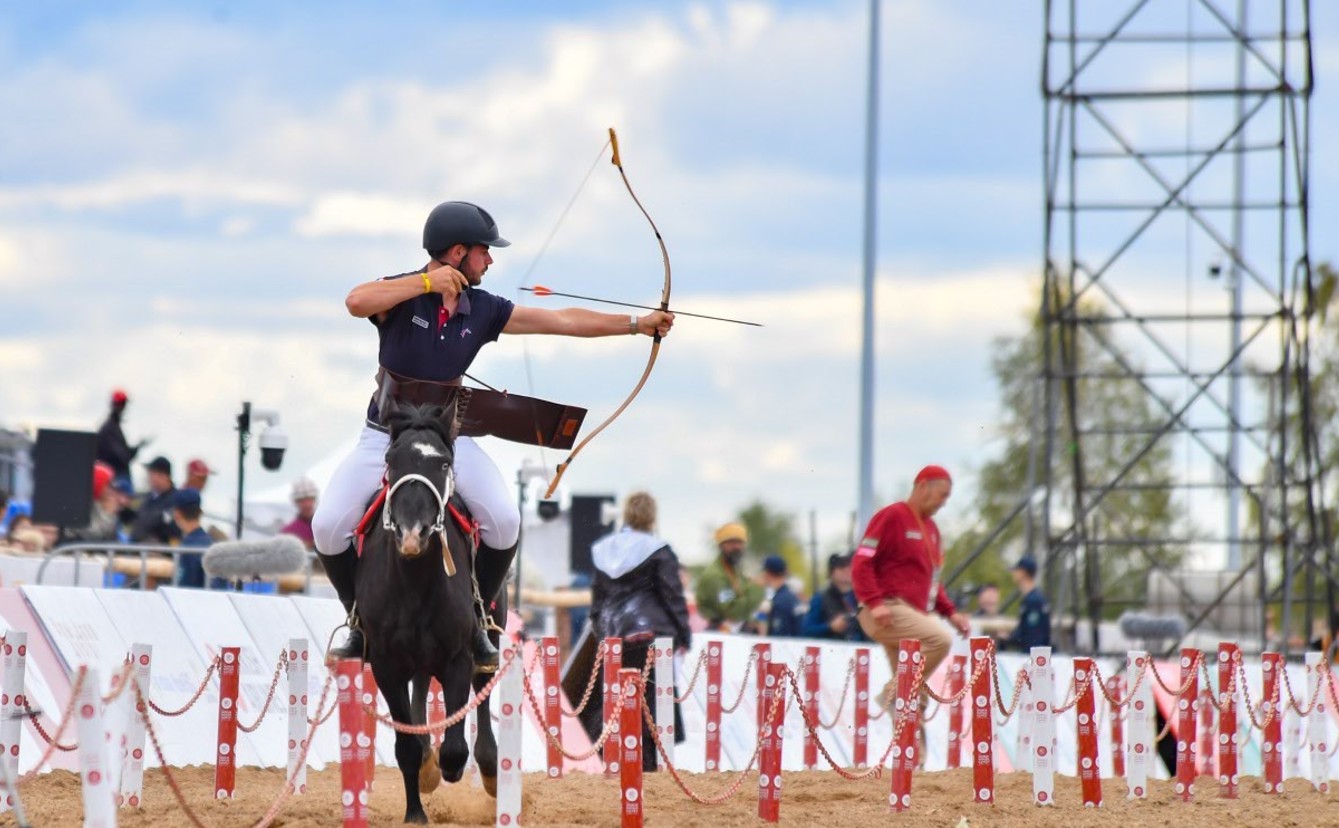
(358, 477)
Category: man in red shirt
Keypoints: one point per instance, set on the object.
(897, 570)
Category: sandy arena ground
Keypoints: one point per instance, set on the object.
(809, 799)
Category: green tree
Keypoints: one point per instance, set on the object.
(773, 533)
(1108, 408)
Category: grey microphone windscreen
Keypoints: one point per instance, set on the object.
(279, 555)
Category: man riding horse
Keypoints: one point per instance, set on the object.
(431, 323)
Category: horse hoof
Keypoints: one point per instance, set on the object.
(490, 785)
(429, 775)
(419, 818)
(485, 669)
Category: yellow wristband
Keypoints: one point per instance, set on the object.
(427, 283)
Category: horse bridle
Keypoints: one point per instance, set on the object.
(442, 499)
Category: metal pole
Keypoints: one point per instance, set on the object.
(813, 552)
(1235, 274)
(243, 434)
(866, 447)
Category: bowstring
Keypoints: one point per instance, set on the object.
(525, 280)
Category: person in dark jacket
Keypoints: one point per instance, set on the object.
(153, 523)
(832, 612)
(637, 596)
(780, 613)
(112, 446)
(1034, 618)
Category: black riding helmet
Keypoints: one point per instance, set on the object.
(459, 222)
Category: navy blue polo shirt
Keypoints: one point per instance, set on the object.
(420, 340)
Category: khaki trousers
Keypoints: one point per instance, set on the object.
(908, 622)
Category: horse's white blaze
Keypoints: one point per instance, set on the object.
(428, 450)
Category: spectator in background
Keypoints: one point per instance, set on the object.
(197, 475)
(779, 613)
(186, 513)
(638, 595)
(105, 519)
(987, 601)
(897, 570)
(153, 523)
(304, 496)
(725, 599)
(1034, 619)
(832, 612)
(24, 536)
(113, 449)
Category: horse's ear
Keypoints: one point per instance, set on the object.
(395, 418)
(450, 417)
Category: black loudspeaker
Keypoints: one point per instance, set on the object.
(63, 477)
(587, 526)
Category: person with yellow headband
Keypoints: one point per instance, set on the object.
(725, 598)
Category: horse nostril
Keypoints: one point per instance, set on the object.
(410, 545)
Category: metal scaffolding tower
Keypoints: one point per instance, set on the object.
(1177, 275)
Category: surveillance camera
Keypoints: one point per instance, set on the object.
(273, 442)
(548, 509)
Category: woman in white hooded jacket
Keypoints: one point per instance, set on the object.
(637, 595)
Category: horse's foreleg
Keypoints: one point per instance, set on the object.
(408, 752)
(485, 746)
(429, 775)
(455, 752)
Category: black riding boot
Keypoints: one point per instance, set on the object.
(340, 570)
(490, 571)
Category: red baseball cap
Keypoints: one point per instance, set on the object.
(933, 473)
(119, 397)
(199, 467)
(102, 475)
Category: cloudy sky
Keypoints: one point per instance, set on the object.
(189, 190)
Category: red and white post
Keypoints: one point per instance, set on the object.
(437, 713)
(299, 657)
(1142, 719)
(812, 657)
(225, 764)
(1085, 708)
(1116, 689)
(352, 748)
(506, 700)
(15, 648)
(132, 760)
(630, 748)
(957, 665)
(1204, 753)
(1316, 723)
(1042, 674)
(860, 709)
(613, 665)
(664, 699)
(553, 711)
(983, 736)
(906, 723)
(370, 722)
(1187, 723)
(1271, 666)
(713, 740)
(1229, 663)
(98, 786)
(770, 733)
(763, 651)
(1024, 746)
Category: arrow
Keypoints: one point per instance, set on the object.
(540, 290)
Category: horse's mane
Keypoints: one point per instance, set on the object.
(432, 418)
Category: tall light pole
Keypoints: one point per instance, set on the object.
(865, 508)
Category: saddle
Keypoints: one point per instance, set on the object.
(484, 413)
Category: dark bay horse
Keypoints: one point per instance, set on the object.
(417, 619)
